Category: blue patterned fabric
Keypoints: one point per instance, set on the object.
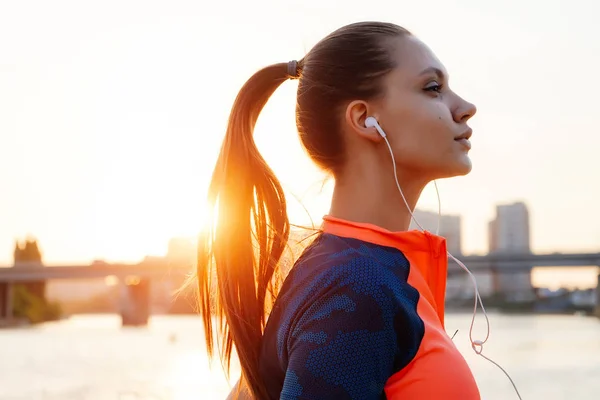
(344, 322)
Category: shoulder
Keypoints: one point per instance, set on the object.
(346, 319)
(334, 263)
(343, 285)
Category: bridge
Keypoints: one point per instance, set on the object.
(515, 261)
(157, 269)
(510, 273)
(134, 298)
(160, 268)
(154, 269)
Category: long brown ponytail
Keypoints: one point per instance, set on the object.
(246, 240)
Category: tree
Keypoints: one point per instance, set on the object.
(27, 253)
(30, 297)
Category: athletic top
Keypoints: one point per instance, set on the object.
(361, 316)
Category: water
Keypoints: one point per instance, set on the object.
(93, 358)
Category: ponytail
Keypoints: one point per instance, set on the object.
(245, 241)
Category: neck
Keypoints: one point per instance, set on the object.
(375, 199)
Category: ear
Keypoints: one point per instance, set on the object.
(357, 112)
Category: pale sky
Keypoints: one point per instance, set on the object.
(112, 113)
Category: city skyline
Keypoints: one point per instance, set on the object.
(182, 249)
(511, 219)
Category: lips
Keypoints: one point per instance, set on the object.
(466, 135)
(464, 142)
(464, 139)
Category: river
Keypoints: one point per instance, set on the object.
(91, 357)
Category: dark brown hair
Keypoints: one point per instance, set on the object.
(245, 242)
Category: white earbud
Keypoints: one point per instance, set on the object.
(371, 122)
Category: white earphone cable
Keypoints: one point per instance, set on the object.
(437, 192)
(476, 345)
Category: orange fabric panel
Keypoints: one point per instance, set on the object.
(438, 370)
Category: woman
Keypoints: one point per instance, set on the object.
(361, 314)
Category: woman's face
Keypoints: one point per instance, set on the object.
(425, 121)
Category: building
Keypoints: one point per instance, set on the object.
(450, 228)
(509, 233)
(458, 286)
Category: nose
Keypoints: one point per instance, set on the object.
(464, 111)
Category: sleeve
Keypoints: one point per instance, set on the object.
(352, 337)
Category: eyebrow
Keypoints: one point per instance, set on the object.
(438, 72)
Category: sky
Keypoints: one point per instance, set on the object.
(112, 114)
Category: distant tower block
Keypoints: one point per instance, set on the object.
(509, 233)
(450, 228)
